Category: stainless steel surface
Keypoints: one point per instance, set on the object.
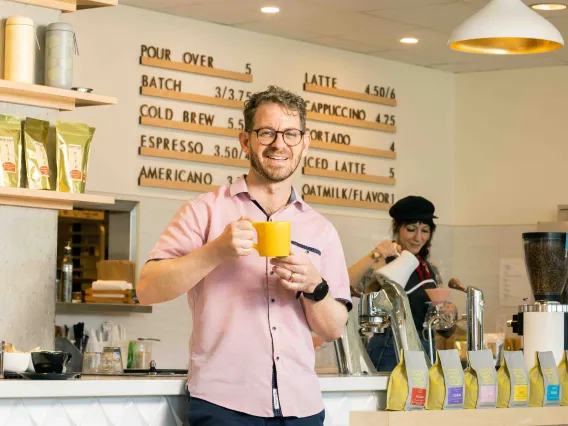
(352, 357)
(474, 314)
(371, 319)
(474, 307)
(2, 349)
(393, 300)
(544, 307)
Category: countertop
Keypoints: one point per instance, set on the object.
(113, 386)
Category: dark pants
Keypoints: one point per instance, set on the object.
(382, 351)
(204, 413)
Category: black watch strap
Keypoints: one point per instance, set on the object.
(319, 292)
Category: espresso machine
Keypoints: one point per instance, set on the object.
(544, 323)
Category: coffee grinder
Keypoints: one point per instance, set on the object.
(544, 324)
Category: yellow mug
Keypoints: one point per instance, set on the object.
(273, 238)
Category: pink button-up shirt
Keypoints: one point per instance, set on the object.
(244, 321)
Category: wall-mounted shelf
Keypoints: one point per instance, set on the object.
(49, 97)
(69, 5)
(24, 197)
(191, 97)
(349, 94)
(316, 116)
(195, 69)
(373, 152)
(83, 308)
(334, 174)
(330, 201)
(189, 127)
(187, 156)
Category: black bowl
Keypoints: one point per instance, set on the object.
(50, 362)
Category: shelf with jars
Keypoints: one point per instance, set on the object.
(69, 5)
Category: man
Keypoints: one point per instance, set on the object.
(251, 351)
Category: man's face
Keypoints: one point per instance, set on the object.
(278, 161)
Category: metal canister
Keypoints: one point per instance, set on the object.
(112, 361)
(60, 46)
(20, 49)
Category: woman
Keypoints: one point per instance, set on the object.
(413, 229)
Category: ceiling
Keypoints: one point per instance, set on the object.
(371, 27)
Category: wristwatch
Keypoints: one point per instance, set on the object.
(319, 292)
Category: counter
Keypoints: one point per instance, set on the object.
(151, 401)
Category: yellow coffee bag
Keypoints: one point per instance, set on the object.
(35, 150)
(545, 381)
(480, 380)
(10, 151)
(513, 381)
(563, 375)
(73, 148)
(408, 383)
(446, 382)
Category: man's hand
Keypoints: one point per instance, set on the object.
(236, 240)
(296, 272)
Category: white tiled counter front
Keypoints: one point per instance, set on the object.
(159, 401)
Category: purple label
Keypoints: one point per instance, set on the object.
(455, 396)
(487, 394)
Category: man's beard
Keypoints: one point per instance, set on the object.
(273, 175)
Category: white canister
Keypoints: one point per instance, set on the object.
(20, 49)
(59, 50)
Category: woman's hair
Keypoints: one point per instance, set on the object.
(424, 252)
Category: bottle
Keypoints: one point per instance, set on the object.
(59, 49)
(66, 275)
(20, 49)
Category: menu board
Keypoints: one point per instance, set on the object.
(335, 156)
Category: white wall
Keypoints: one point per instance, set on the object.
(510, 148)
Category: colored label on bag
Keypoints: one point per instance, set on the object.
(418, 397)
(521, 393)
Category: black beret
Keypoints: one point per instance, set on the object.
(412, 208)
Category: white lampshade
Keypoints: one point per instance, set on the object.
(506, 27)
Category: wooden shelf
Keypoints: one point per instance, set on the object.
(330, 201)
(171, 184)
(493, 417)
(187, 156)
(190, 97)
(372, 152)
(316, 116)
(335, 174)
(314, 88)
(83, 308)
(189, 127)
(69, 5)
(49, 97)
(24, 197)
(195, 69)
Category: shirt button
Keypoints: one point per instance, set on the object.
(274, 328)
(271, 272)
(277, 358)
(307, 252)
(272, 300)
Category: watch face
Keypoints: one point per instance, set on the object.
(321, 291)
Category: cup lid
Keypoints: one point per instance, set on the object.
(19, 20)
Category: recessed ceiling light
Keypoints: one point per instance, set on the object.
(409, 40)
(548, 6)
(270, 9)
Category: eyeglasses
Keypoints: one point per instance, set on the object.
(267, 136)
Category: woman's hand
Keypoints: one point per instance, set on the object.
(386, 249)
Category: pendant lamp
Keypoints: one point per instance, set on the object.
(506, 27)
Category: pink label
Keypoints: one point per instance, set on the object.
(487, 394)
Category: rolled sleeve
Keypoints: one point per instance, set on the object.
(186, 232)
(334, 269)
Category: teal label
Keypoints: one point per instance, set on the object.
(553, 392)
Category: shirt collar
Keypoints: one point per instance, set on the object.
(240, 186)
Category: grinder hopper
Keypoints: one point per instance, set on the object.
(546, 260)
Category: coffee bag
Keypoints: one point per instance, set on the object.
(35, 153)
(513, 381)
(446, 382)
(563, 376)
(545, 381)
(408, 383)
(10, 151)
(480, 380)
(73, 148)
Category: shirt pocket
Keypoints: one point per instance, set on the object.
(313, 254)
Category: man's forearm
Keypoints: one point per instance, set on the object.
(327, 318)
(164, 280)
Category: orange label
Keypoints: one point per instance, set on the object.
(44, 170)
(418, 397)
(9, 167)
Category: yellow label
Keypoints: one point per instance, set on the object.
(520, 376)
(453, 377)
(418, 378)
(520, 393)
(549, 374)
(485, 376)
